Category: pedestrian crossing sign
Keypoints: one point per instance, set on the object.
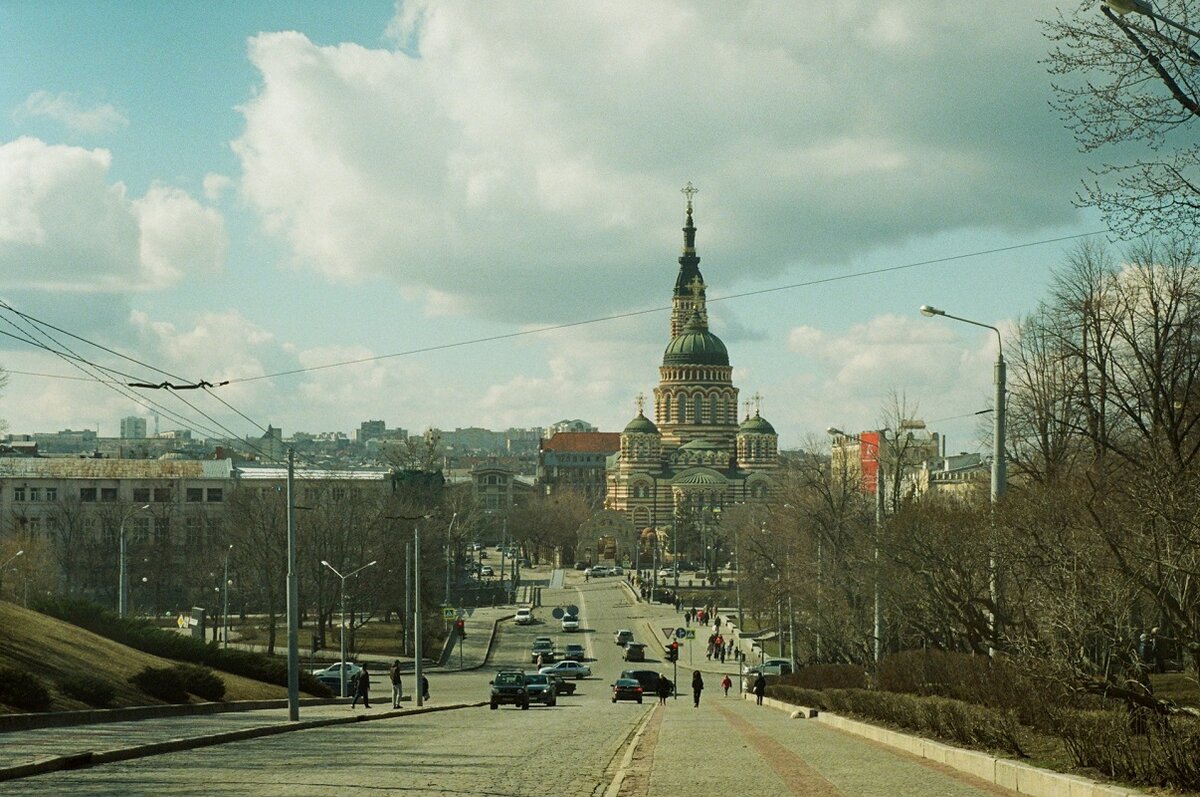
(691, 633)
(449, 612)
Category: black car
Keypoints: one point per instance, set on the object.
(647, 678)
(627, 689)
(509, 687)
(541, 689)
(635, 651)
(561, 685)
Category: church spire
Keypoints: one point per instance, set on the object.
(688, 297)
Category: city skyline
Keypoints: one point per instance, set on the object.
(275, 191)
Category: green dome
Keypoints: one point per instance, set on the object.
(756, 425)
(641, 425)
(696, 346)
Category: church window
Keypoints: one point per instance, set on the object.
(697, 409)
(714, 410)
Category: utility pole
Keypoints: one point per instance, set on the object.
(293, 596)
(417, 613)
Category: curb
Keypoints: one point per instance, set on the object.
(90, 758)
(10, 723)
(1003, 772)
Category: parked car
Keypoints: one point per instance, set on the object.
(568, 668)
(541, 690)
(581, 565)
(616, 571)
(570, 622)
(771, 667)
(648, 679)
(597, 571)
(486, 570)
(334, 670)
(574, 652)
(524, 617)
(624, 636)
(635, 651)
(509, 687)
(626, 689)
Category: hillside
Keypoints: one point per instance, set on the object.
(52, 649)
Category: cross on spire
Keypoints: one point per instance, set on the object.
(757, 398)
(639, 401)
(689, 191)
(746, 407)
(696, 286)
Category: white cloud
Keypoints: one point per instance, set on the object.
(66, 109)
(215, 186)
(498, 147)
(64, 227)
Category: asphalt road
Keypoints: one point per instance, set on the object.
(584, 746)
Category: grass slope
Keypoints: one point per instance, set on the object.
(52, 649)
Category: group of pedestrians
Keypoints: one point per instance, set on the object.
(362, 686)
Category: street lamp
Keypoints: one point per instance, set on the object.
(999, 466)
(342, 635)
(122, 571)
(879, 484)
(225, 601)
(9, 561)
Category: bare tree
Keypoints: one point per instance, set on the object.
(1130, 79)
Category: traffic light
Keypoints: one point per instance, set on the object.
(460, 627)
(673, 651)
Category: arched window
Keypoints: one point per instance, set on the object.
(714, 410)
(679, 415)
(697, 409)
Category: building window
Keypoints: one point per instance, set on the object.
(162, 495)
(162, 530)
(18, 493)
(35, 494)
(87, 493)
(141, 495)
(51, 493)
(194, 495)
(215, 495)
(339, 494)
(108, 493)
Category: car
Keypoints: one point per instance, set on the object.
(597, 571)
(561, 685)
(574, 652)
(771, 667)
(623, 636)
(648, 679)
(483, 555)
(543, 648)
(616, 571)
(626, 689)
(508, 687)
(568, 668)
(486, 570)
(524, 617)
(541, 690)
(581, 565)
(667, 573)
(570, 622)
(334, 671)
(635, 651)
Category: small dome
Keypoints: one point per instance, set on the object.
(756, 425)
(702, 445)
(703, 478)
(641, 425)
(696, 346)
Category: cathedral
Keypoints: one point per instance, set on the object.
(695, 457)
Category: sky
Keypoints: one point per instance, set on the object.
(480, 204)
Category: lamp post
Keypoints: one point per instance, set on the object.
(122, 568)
(342, 635)
(9, 561)
(999, 466)
(879, 484)
(225, 601)
(449, 531)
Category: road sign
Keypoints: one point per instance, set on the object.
(691, 633)
(668, 633)
(680, 633)
(573, 610)
(448, 613)
(558, 613)
(181, 622)
(470, 611)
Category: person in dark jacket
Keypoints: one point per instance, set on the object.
(397, 684)
(663, 689)
(760, 688)
(697, 688)
(362, 688)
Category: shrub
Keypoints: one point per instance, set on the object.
(829, 676)
(1140, 745)
(88, 689)
(164, 683)
(201, 681)
(23, 690)
(145, 636)
(998, 682)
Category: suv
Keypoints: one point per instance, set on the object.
(624, 636)
(541, 689)
(524, 616)
(574, 652)
(509, 687)
(570, 622)
(648, 679)
(635, 651)
(543, 648)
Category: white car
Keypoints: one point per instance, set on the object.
(770, 667)
(570, 623)
(524, 617)
(486, 570)
(567, 668)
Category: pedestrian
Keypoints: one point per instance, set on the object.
(362, 689)
(687, 618)
(663, 689)
(722, 654)
(725, 684)
(540, 661)
(397, 685)
(424, 688)
(697, 688)
(760, 688)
